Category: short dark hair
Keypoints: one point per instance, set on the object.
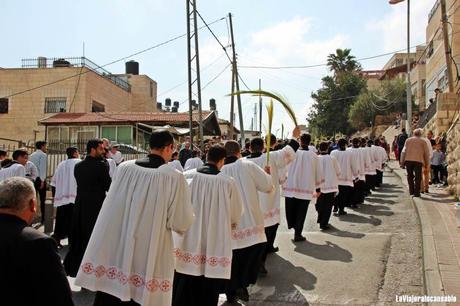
(93, 144)
(257, 144)
(3, 153)
(324, 146)
(370, 142)
(216, 153)
(70, 151)
(305, 139)
(19, 153)
(39, 144)
(356, 142)
(175, 154)
(342, 143)
(272, 139)
(232, 147)
(194, 153)
(160, 139)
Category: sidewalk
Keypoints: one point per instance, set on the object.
(441, 239)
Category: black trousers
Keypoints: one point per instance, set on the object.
(193, 290)
(379, 178)
(344, 196)
(42, 195)
(358, 192)
(105, 299)
(270, 233)
(324, 207)
(63, 221)
(437, 173)
(296, 212)
(414, 177)
(370, 181)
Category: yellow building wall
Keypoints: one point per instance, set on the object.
(26, 109)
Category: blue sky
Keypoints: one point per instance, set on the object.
(290, 32)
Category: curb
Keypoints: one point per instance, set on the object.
(431, 275)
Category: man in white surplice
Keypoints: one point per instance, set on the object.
(130, 254)
(249, 236)
(270, 202)
(64, 188)
(194, 162)
(204, 253)
(302, 184)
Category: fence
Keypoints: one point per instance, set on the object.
(427, 115)
(55, 158)
(43, 62)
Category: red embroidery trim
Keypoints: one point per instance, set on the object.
(200, 259)
(135, 280)
(65, 197)
(272, 213)
(298, 190)
(248, 232)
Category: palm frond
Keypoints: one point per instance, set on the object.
(269, 134)
(271, 95)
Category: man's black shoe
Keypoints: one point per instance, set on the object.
(242, 294)
(299, 238)
(273, 250)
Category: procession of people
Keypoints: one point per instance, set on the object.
(152, 232)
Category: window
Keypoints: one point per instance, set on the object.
(151, 89)
(97, 107)
(4, 106)
(124, 134)
(430, 49)
(119, 134)
(55, 105)
(109, 132)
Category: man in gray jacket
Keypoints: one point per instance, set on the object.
(414, 156)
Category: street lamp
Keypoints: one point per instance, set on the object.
(408, 85)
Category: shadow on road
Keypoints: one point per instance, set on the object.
(346, 234)
(377, 210)
(377, 199)
(282, 284)
(360, 219)
(328, 251)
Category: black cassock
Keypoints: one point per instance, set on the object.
(93, 180)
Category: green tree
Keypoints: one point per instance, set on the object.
(389, 98)
(332, 102)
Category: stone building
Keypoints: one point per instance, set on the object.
(43, 87)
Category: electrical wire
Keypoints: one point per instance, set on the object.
(110, 63)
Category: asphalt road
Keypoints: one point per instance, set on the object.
(367, 258)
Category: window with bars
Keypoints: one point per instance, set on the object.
(55, 105)
(4, 106)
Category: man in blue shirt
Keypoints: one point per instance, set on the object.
(39, 159)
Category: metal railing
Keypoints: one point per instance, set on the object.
(427, 115)
(44, 62)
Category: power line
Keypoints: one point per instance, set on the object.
(111, 63)
(323, 64)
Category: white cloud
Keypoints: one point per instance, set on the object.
(393, 26)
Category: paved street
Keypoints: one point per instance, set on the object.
(371, 255)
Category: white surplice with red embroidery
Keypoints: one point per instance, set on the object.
(206, 247)
(64, 182)
(270, 202)
(330, 170)
(130, 253)
(349, 162)
(250, 179)
(304, 176)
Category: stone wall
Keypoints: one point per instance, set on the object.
(453, 158)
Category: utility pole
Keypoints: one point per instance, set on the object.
(192, 17)
(447, 49)
(260, 109)
(232, 106)
(255, 117)
(408, 86)
(236, 80)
